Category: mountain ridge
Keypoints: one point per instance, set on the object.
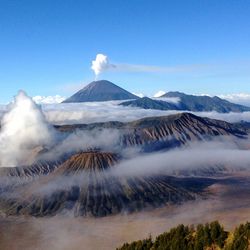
(187, 103)
(205, 103)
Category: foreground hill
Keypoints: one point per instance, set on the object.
(84, 186)
(99, 91)
(187, 103)
(208, 236)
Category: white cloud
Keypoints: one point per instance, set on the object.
(199, 155)
(23, 129)
(229, 117)
(159, 93)
(48, 99)
(139, 94)
(101, 64)
(89, 112)
(240, 98)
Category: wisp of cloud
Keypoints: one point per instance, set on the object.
(102, 64)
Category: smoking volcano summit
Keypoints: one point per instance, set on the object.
(98, 91)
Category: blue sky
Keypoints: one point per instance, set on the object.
(46, 47)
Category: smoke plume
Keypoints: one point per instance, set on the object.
(100, 64)
(23, 130)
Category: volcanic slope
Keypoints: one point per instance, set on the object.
(99, 91)
(30, 171)
(164, 132)
(84, 186)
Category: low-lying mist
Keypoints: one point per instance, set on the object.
(223, 155)
(196, 156)
(78, 141)
(75, 113)
(91, 112)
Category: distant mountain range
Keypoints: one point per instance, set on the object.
(99, 91)
(148, 103)
(104, 90)
(205, 103)
(187, 103)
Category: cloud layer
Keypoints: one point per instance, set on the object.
(225, 152)
(48, 99)
(90, 112)
(240, 98)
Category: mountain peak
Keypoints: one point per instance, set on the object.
(102, 90)
(89, 161)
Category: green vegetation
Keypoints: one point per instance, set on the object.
(204, 237)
